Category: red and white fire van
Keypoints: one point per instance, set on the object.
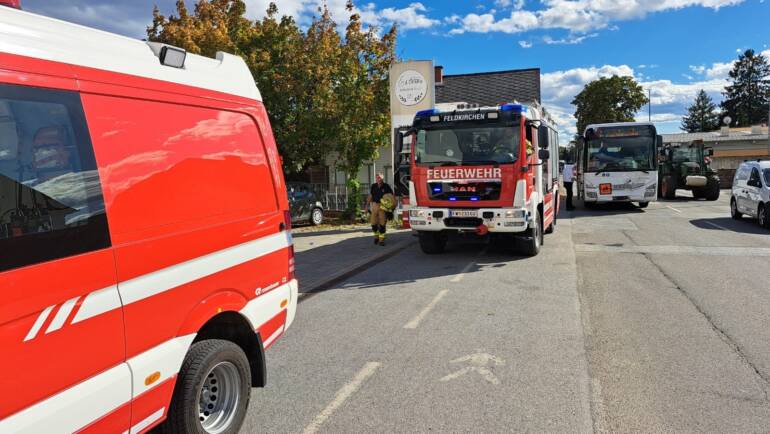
(484, 170)
(146, 262)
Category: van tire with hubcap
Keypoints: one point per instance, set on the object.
(317, 216)
(533, 240)
(734, 213)
(762, 216)
(432, 243)
(212, 391)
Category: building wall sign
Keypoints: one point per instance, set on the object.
(411, 88)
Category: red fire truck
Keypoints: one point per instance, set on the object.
(484, 170)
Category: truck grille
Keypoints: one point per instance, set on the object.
(472, 191)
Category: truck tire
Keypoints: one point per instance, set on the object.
(668, 188)
(644, 204)
(212, 390)
(711, 192)
(533, 240)
(432, 243)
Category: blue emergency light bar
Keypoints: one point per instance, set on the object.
(513, 108)
(430, 112)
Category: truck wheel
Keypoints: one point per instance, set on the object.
(669, 187)
(734, 213)
(644, 204)
(762, 217)
(711, 192)
(533, 240)
(432, 243)
(212, 391)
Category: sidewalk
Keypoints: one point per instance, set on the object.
(327, 257)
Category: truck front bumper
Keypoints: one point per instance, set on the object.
(496, 220)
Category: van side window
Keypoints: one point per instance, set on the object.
(51, 203)
(754, 174)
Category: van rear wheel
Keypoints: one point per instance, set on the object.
(212, 392)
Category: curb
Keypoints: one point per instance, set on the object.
(334, 279)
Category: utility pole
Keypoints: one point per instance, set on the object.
(649, 105)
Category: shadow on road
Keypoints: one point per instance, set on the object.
(743, 226)
(618, 208)
(413, 265)
(311, 233)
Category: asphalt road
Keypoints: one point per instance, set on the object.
(629, 320)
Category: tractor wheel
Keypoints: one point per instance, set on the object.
(669, 187)
(712, 190)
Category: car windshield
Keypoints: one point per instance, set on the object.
(620, 154)
(470, 145)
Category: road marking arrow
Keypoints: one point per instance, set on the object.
(479, 363)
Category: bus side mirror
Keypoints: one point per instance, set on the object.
(710, 152)
(544, 154)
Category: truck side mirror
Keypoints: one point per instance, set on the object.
(544, 154)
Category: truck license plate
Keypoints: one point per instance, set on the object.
(463, 213)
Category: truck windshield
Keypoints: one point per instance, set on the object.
(470, 145)
(621, 154)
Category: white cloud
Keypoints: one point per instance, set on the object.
(578, 15)
(570, 40)
(411, 17)
(525, 44)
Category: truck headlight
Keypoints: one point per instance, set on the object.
(516, 213)
(416, 213)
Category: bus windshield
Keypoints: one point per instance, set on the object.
(618, 154)
(468, 146)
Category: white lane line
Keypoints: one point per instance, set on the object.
(342, 395)
(460, 276)
(673, 209)
(717, 226)
(416, 321)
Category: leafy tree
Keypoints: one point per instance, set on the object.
(323, 94)
(702, 115)
(608, 99)
(746, 99)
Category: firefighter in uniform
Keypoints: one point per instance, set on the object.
(379, 202)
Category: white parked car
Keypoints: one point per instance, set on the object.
(751, 192)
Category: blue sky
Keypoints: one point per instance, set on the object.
(673, 47)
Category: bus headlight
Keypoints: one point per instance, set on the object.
(650, 190)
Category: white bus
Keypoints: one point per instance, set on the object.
(618, 163)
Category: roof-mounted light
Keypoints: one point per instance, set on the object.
(513, 108)
(427, 113)
(168, 54)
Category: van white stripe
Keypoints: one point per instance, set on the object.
(157, 282)
(165, 358)
(147, 422)
(39, 323)
(97, 303)
(76, 407)
(61, 315)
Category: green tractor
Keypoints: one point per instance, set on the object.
(687, 166)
